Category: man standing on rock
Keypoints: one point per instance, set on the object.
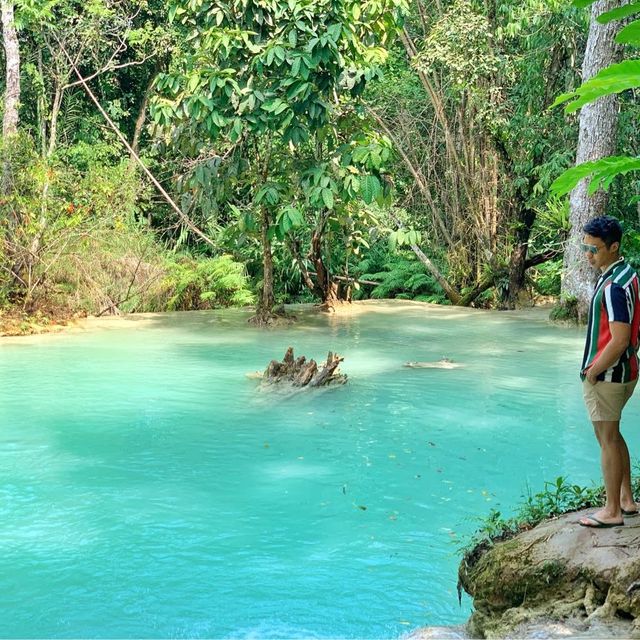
(610, 364)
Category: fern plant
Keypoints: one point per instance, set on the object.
(403, 278)
(207, 283)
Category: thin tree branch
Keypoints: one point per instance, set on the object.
(187, 221)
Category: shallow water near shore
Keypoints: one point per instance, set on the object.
(147, 490)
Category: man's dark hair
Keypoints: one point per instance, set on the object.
(607, 228)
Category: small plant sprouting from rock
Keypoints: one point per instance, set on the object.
(557, 497)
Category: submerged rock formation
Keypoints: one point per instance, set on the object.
(558, 579)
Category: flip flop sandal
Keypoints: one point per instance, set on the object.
(598, 523)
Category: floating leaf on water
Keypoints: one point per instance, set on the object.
(433, 444)
(266, 445)
(361, 506)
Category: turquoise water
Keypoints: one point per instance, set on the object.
(147, 490)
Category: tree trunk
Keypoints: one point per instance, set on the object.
(142, 115)
(12, 55)
(41, 107)
(517, 264)
(325, 286)
(264, 312)
(596, 139)
(12, 84)
(55, 113)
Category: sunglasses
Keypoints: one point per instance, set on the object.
(591, 248)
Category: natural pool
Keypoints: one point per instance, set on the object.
(146, 490)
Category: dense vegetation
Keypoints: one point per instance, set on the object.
(315, 150)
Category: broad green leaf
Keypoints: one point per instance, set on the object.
(603, 171)
(334, 31)
(284, 223)
(250, 223)
(370, 188)
(327, 198)
(393, 240)
(630, 34)
(618, 13)
(283, 106)
(360, 154)
(270, 55)
(296, 217)
(218, 119)
(613, 79)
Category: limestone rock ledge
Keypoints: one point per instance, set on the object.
(572, 581)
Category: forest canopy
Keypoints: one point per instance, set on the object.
(190, 154)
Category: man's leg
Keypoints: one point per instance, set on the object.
(611, 458)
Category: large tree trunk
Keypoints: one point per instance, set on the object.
(264, 312)
(12, 55)
(12, 85)
(596, 139)
(517, 264)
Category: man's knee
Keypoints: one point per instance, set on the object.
(607, 432)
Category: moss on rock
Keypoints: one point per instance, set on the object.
(556, 572)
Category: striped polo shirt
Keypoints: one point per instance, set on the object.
(615, 299)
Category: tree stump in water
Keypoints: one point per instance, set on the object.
(298, 372)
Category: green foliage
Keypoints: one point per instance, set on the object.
(556, 498)
(565, 310)
(403, 237)
(271, 84)
(206, 283)
(631, 247)
(546, 278)
(613, 79)
(403, 277)
(616, 78)
(106, 272)
(272, 66)
(619, 13)
(602, 172)
(460, 43)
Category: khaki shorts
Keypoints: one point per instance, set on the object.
(606, 400)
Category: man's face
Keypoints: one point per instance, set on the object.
(597, 253)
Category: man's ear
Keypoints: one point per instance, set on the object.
(615, 246)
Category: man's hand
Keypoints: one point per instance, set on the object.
(620, 336)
